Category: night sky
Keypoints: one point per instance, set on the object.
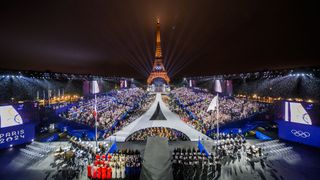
(199, 37)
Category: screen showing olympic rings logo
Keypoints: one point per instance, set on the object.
(299, 133)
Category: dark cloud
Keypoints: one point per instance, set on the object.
(117, 37)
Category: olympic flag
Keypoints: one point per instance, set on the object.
(214, 104)
(94, 88)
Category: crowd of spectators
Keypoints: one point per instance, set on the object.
(110, 108)
(170, 134)
(192, 107)
(132, 116)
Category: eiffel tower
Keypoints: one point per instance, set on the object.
(158, 70)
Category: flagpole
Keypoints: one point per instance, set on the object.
(217, 117)
(49, 94)
(95, 118)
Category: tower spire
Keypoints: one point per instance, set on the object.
(158, 70)
(158, 41)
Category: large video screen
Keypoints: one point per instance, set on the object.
(302, 113)
(225, 87)
(301, 122)
(9, 117)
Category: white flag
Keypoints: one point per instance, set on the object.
(217, 86)
(214, 104)
(94, 87)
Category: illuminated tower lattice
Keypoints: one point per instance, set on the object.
(158, 70)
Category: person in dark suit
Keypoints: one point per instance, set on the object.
(204, 172)
(218, 167)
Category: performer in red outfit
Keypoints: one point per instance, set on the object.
(94, 172)
(99, 172)
(97, 156)
(104, 172)
(103, 157)
(109, 172)
(89, 171)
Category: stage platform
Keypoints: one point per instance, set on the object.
(301, 163)
(172, 121)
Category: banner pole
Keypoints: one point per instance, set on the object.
(96, 115)
(217, 117)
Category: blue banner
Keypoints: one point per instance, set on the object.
(14, 135)
(202, 148)
(113, 148)
(262, 136)
(305, 134)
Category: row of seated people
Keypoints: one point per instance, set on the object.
(145, 105)
(109, 108)
(128, 96)
(192, 164)
(170, 134)
(230, 108)
(120, 165)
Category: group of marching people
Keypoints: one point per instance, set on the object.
(193, 164)
(229, 145)
(120, 165)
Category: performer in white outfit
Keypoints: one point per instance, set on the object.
(114, 172)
